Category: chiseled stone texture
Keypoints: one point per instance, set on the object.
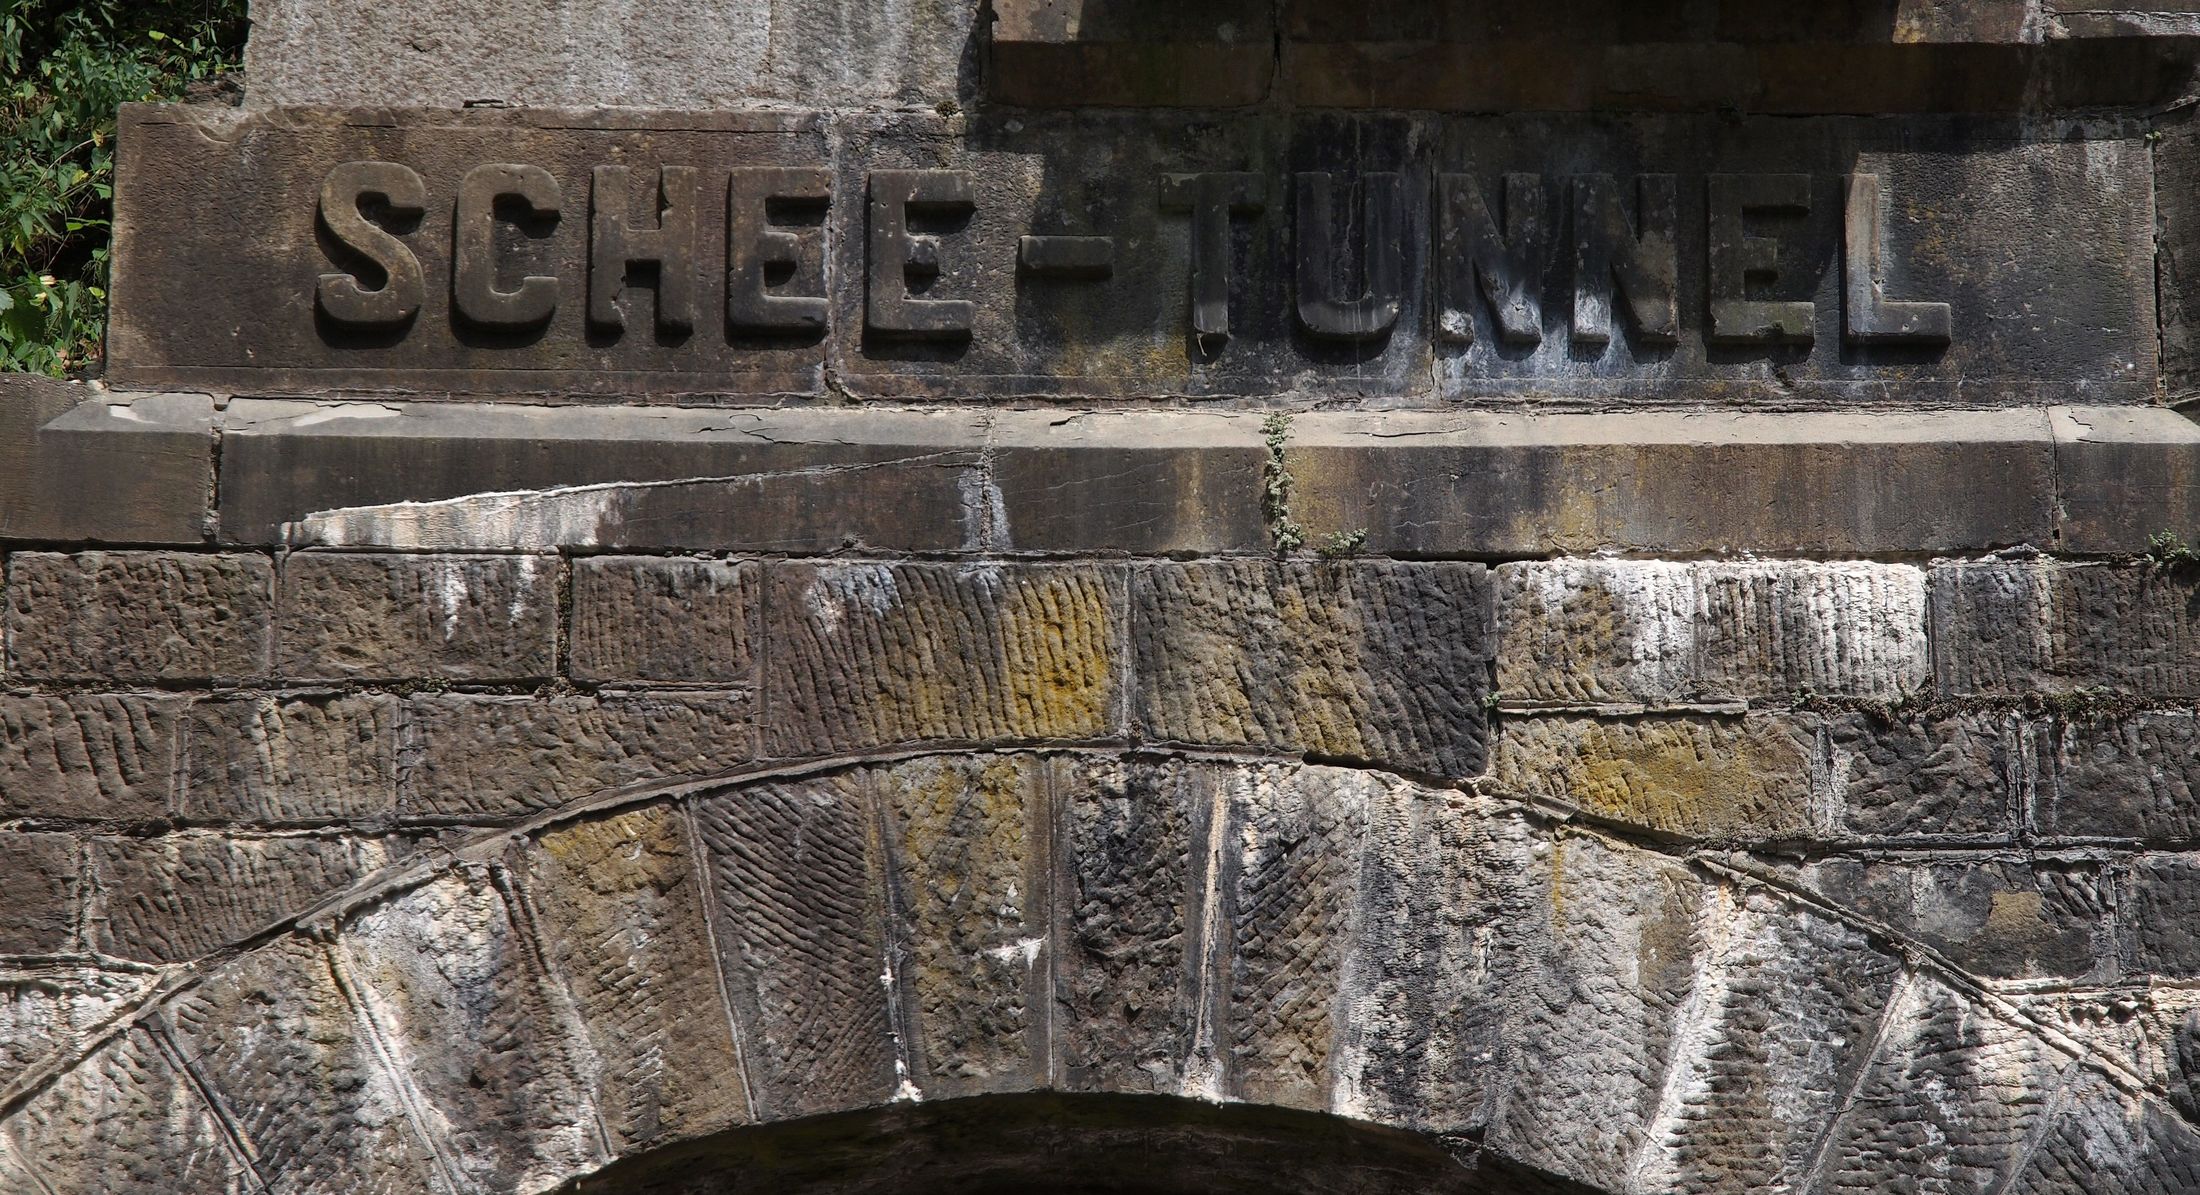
(472, 757)
(2018, 627)
(1578, 632)
(1994, 916)
(518, 1009)
(397, 617)
(1723, 779)
(278, 761)
(182, 896)
(865, 655)
(48, 1010)
(88, 755)
(2136, 777)
(44, 877)
(1384, 661)
(132, 617)
(639, 619)
(1959, 776)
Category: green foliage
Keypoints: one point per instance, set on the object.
(2167, 549)
(1284, 532)
(1339, 544)
(66, 66)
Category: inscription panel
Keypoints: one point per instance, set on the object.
(1396, 260)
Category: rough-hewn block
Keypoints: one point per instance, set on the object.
(87, 755)
(638, 618)
(2108, 1141)
(377, 617)
(968, 839)
(2134, 777)
(1657, 632)
(862, 655)
(465, 756)
(798, 888)
(1999, 918)
(1123, 980)
(619, 903)
(1376, 661)
(125, 1120)
(2012, 627)
(268, 760)
(2161, 915)
(138, 616)
(44, 887)
(449, 972)
(1742, 779)
(288, 1053)
(1950, 776)
(46, 1012)
(181, 896)
(1949, 1103)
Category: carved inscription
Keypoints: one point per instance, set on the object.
(1494, 241)
(1414, 260)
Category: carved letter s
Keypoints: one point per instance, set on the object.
(339, 296)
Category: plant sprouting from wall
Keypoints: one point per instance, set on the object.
(67, 66)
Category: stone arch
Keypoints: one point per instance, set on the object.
(644, 971)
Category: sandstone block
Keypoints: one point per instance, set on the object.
(619, 905)
(1377, 661)
(969, 844)
(138, 616)
(182, 896)
(87, 755)
(1658, 632)
(2161, 916)
(465, 756)
(46, 1012)
(865, 655)
(798, 885)
(44, 891)
(1996, 918)
(266, 760)
(2011, 627)
(1964, 776)
(126, 1120)
(1744, 779)
(2107, 1140)
(392, 617)
(1951, 1097)
(643, 619)
(1132, 837)
(2136, 777)
(291, 1055)
(450, 974)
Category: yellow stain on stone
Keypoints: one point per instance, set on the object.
(1680, 777)
(1058, 632)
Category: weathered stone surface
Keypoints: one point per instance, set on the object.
(390, 617)
(1374, 661)
(1950, 1102)
(1600, 1018)
(2012, 627)
(125, 1120)
(636, 53)
(1995, 917)
(471, 757)
(183, 896)
(619, 906)
(1133, 839)
(105, 756)
(2161, 915)
(865, 655)
(1954, 776)
(644, 619)
(1656, 632)
(1097, 52)
(75, 467)
(2123, 477)
(277, 761)
(970, 889)
(2130, 778)
(282, 1045)
(1743, 779)
(2108, 1141)
(110, 617)
(452, 976)
(799, 888)
(45, 891)
(47, 1011)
